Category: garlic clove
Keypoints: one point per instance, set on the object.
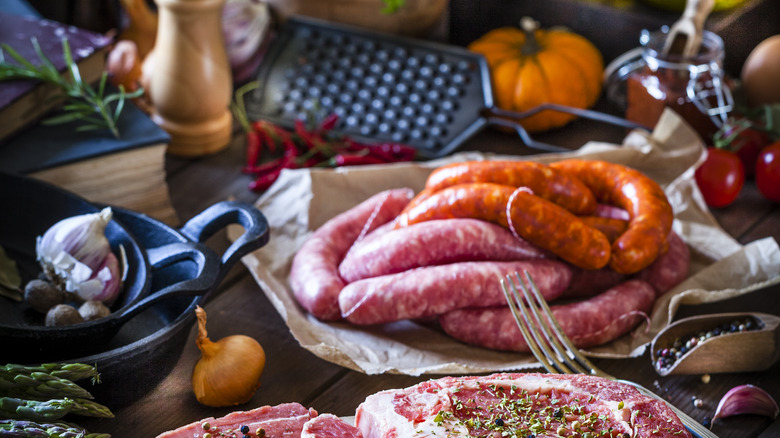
(104, 285)
(76, 256)
(746, 399)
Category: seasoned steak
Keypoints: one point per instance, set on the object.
(517, 405)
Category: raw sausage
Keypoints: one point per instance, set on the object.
(586, 283)
(314, 277)
(671, 268)
(545, 181)
(645, 201)
(537, 220)
(434, 242)
(595, 321)
(434, 290)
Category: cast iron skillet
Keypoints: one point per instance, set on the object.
(33, 206)
(147, 348)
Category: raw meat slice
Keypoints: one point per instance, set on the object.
(281, 421)
(329, 426)
(517, 405)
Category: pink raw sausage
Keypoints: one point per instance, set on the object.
(435, 242)
(434, 290)
(314, 277)
(595, 321)
(670, 268)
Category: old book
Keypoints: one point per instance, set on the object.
(22, 102)
(128, 171)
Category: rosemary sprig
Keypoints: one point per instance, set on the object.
(83, 103)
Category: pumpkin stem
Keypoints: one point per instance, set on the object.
(529, 26)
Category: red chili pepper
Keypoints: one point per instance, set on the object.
(265, 180)
(329, 122)
(265, 167)
(399, 152)
(352, 160)
(263, 129)
(252, 150)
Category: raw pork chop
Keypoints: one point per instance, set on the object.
(517, 405)
(284, 420)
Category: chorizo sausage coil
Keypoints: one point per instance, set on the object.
(545, 181)
(650, 213)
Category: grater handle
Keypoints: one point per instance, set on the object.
(502, 117)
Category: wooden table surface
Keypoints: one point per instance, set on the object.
(292, 374)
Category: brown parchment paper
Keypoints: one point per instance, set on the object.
(302, 200)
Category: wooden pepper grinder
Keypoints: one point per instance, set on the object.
(187, 77)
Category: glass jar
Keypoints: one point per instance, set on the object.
(645, 81)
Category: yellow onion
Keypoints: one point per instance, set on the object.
(228, 372)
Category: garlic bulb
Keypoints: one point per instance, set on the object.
(228, 372)
(746, 399)
(76, 256)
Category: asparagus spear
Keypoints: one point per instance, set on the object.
(68, 371)
(89, 408)
(31, 429)
(39, 385)
(35, 410)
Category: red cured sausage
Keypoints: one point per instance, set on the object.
(612, 228)
(435, 242)
(537, 220)
(434, 290)
(595, 321)
(671, 268)
(314, 277)
(545, 181)
(644, 200)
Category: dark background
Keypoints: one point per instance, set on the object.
(613, 26)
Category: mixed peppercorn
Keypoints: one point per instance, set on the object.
(244, 431)
(668, 356)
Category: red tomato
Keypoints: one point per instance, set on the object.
(720, 177)
(768, 172)
(745, 141)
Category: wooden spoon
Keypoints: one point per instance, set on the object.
(685, 35)
(753, 350)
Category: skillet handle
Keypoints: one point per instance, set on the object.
(209, 221)
(205, 275)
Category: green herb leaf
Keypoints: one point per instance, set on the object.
(9, 277)
(83, 99)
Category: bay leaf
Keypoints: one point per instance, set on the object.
(9, 273)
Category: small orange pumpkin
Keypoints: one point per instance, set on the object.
(530, 66)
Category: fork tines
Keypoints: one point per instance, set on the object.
(544, 336)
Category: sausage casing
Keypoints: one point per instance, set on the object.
(650, 213)
(545, 181)
(594, 321)
(314, 277)
(536, 220)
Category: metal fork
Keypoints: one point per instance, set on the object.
(554, 349)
